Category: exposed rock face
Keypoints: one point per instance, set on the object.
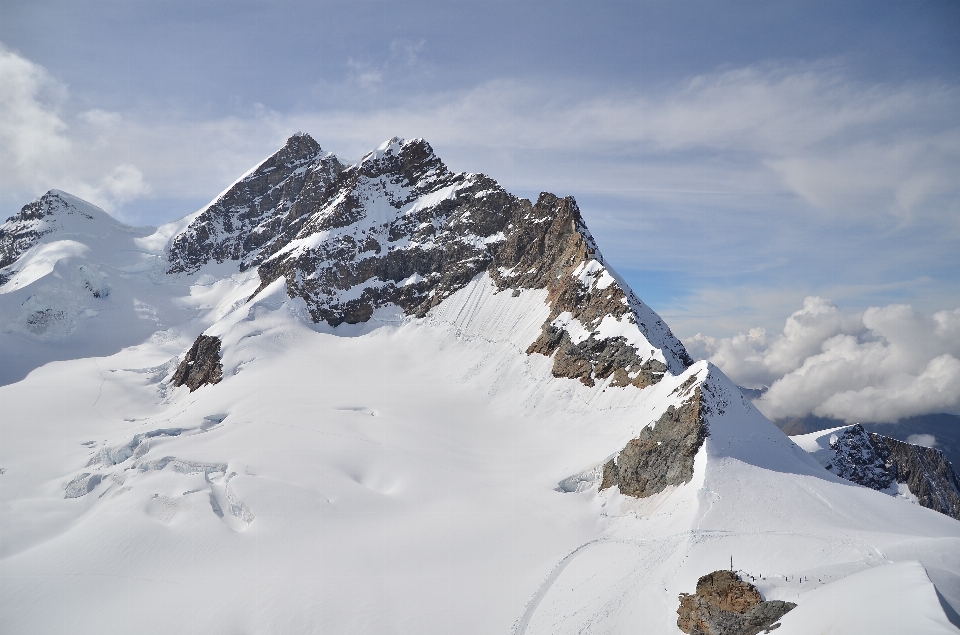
(252, 219)
(549, 247)
(398, 228)
(22, 230)
(858, 458)
(927, 473)
(663, 454)
(201, 365)
(943, 426)
(725, 605)
(878, 462)
(376, 242)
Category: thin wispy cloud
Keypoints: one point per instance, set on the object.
(378, 77)
(844, 147)
(780, 174)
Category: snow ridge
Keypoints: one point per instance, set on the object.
(55, 211)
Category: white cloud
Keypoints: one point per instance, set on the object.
(39, 150)
(122, 184)
(926, 440)
(879, 365)
(102, 118)
(31, 130)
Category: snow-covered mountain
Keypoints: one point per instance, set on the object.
(76, 283)
(390, 398)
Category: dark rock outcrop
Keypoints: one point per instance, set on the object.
(664, 452)
(927, 473)
(944, 427)
(877, 462)
(725, 605)
(858, 458)
(399, 228)
(201, 365)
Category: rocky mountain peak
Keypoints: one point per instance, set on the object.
(53, 203)
(250, 219)
(299, 147)
(400, 229)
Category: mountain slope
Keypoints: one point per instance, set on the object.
(380, 457)
(78, 283)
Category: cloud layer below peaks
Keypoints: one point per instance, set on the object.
(880, 365)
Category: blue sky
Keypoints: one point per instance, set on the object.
(732, 158)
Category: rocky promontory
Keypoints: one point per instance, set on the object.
(882, 463)
(201, 365)
(726, 605)
(664, 452)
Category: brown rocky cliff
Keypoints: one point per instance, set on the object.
(663, 454)
(726, 605)
(548, 259)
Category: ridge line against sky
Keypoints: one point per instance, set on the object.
(732, 159)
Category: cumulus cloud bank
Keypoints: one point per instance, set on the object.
(879, 365)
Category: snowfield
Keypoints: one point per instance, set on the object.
(401, 475)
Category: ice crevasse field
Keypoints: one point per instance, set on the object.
(403, 475)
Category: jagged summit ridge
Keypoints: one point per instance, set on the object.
(398, 228)
(258, 211)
